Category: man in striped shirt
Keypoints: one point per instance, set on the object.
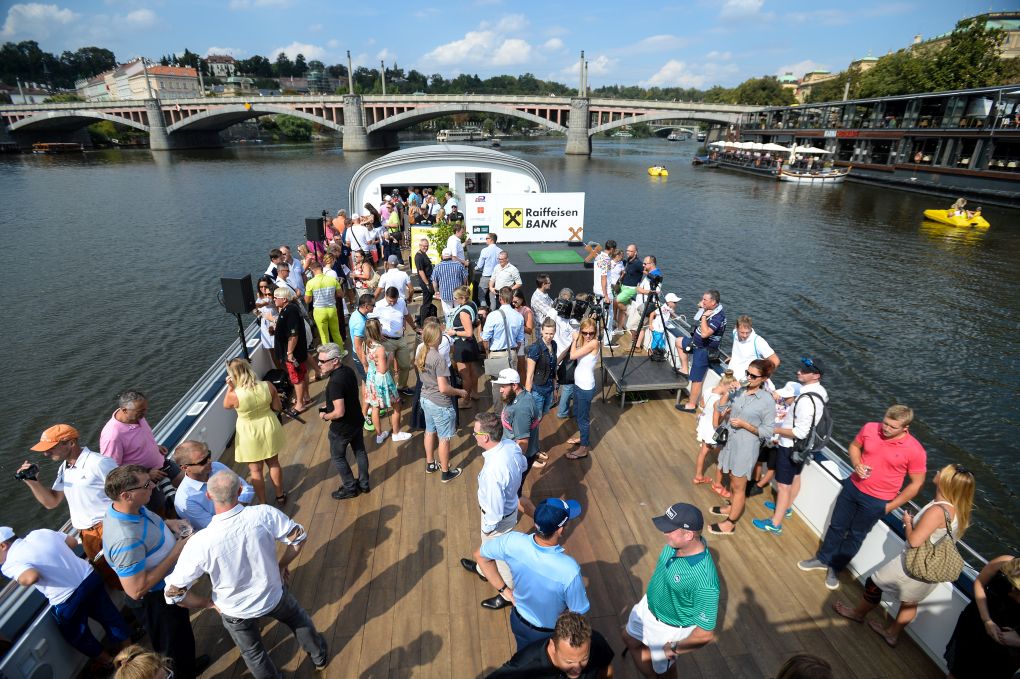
(678, 612)
(448, 275)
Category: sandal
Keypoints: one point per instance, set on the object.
(720, 510)
(846, 611)
(543, 456)
(538, 463)
(877, 627)
(714, 529)
(722, 492)
(281, 499)
(698, 480)
(573, 441)
(574, 456)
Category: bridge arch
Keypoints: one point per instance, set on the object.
(222, 117)
(71, 120)
(719, 118)
(422, 114)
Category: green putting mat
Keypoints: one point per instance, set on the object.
(555, 257)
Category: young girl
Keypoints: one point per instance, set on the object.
(380, 389)
(520, 304)
(712, 414)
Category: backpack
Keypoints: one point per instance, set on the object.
(818, 435)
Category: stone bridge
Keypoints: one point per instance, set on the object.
(366, 122)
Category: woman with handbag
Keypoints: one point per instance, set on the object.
(585, 349)
(466, 352)
(930, 537)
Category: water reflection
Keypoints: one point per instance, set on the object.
(954, 237)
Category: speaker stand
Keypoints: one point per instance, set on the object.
(240, 336)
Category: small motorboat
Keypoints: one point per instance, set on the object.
(952, 219)
(699, 160)
(658, 171)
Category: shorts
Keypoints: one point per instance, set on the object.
(786, 469)
(644, 627)
(440, 420)
(768, 455)
(297, 373)
(635, 312)
(627, 294)
(699, 362)
(358, 368)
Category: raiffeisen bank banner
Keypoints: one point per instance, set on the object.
(525, 217)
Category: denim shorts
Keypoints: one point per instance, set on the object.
(441, 420)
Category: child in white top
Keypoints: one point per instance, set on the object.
(714, 406)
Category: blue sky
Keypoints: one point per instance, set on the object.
(697, 43)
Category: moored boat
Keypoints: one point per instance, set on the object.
(829, 176)
(49, 148)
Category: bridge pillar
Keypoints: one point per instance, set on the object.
(161, 140)
(356, 136)
(578, 139)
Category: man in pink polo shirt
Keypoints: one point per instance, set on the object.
(127, 439)
(883, 454)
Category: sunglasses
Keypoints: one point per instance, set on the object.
(145, 485)
(200, 463)
(588, 334)
(321, 361)
(755, 377)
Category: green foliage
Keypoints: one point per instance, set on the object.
(62, 98)
(26, 61)
(102, 132)
(441, 234)
(488, 126)
(293, 128)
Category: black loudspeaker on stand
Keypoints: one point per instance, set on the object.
(315, 233)
(238, 299)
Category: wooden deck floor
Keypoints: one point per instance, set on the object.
(380, 574)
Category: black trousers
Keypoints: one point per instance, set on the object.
(338, 451)
(427, 295)
(169, 630)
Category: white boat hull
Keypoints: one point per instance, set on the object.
(833, 177)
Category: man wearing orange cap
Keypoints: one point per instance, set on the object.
(80, 480)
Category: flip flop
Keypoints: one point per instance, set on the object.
(572, 456)
(722, 492)
(573, 441)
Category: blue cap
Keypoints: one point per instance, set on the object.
(553, 514)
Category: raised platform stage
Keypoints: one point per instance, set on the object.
(576, 276)
(642, 374)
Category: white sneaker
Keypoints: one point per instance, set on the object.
(381, 437)
(402, 436)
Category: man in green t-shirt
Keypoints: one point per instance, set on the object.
(678, 612)
(323, 292)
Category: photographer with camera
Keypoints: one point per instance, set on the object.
(81, 479)
(560, 313)
(695, 351)
(646, 287)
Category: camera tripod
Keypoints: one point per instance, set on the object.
(601, 324)
(651, 304)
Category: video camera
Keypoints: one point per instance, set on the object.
(574, 309)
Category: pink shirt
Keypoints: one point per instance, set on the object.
(130, 444)
(890, 461)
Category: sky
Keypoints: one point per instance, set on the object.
(697, 43)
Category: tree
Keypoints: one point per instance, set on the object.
(294, 128)
(971, 58)
(62, 98)
(765, 91)
(316, 65)
(300, 67)
(284, 67)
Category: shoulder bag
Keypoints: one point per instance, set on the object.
(494, 365)
(565, 371)
(938, 562)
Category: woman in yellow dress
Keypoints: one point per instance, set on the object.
(259, 435)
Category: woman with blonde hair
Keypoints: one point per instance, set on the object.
(380, 389)
(259, 436)
(585, 349)
(436, 399)
(135, 662)
(954, 498)
(466, 352)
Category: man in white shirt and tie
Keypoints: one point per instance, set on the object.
(191, 501)
(248, 582)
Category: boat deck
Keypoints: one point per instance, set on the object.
(380, 574)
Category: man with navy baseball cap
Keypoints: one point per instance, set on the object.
(678, 612)
(546, 580)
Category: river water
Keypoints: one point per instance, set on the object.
(116, 258)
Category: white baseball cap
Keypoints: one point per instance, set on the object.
(789, 390)
(6, 533)
(507, 376)
(671, 297)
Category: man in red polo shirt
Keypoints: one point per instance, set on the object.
(882, 454)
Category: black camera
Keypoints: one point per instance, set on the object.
(653, 280)
(30, 474)
(325, 214)
(563, 307)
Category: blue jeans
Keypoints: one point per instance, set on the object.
(566, 391)
(246, 634)
(582, 412)
(89, 600)
(523, 634)
(543, 398)
(854, 516)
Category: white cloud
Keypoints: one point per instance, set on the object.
(385, 55)
(235, 52)
(655, 43)
(740, 9)
(295, 48)
(600, 65)
(250, 4)
(333, 43)
(512, 51)
(552, 44)
(141, 18)
(801, 67)
(35, 21)
(480, 48)
(511, 23)
(719, 56)
(676, 73)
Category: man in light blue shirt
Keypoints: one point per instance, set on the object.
(191, 502)
(546, 581)
(494, 333)
(297, 269)
(487, 260)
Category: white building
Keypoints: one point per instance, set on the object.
(222, 65)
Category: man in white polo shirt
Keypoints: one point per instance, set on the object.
(248, 582)
(80, 479)
(192, 502)
(44, 558)
(394, 278)
(394, 318)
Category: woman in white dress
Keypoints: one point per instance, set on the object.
(954, 498)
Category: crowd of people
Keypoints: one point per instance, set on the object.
(163, 522)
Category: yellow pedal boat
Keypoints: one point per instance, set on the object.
(947, 217)
(658, 171)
